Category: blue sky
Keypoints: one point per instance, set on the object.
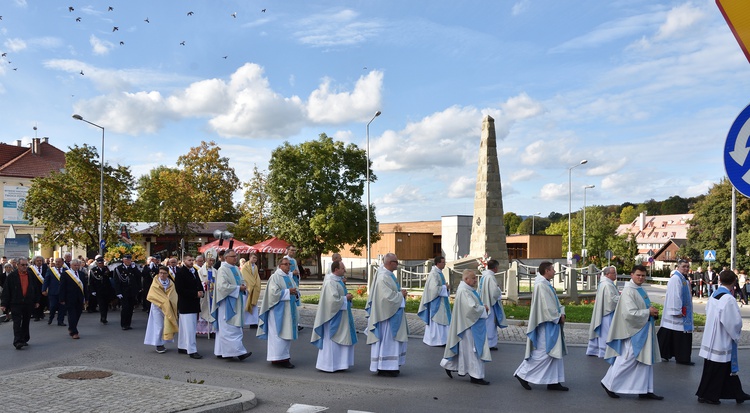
(644, 90)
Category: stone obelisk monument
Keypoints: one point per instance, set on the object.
(488, 228)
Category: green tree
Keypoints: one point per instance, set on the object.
(213, 182)
(254, 224)
(538, 224)
(316, 189)
(674, 205)
(66, 203)
(511, 220)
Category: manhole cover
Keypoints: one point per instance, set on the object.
(85, 375)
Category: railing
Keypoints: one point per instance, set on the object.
(408, 278)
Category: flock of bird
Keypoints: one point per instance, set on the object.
(78, 19)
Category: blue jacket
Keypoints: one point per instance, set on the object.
(51, 283)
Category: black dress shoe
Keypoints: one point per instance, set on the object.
(663, 360)
(49, 322)
(493, 348)
(103, 321)
(196, 356)
(483, 382)
(127, 328)
(246, 355)
(742, 398)
(686, 363)
(253, 326)
(609, 392)
(448, 372)
(182, 351)
(25, 344)
(18, 346)
(523, 382)
(388, 373)
(62, 324)
(299, 328)
(650, 396)
(557, 387)
(707, 401)
(219, 357)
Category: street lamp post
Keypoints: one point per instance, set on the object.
(533, 230)
(570, 199)
(101, 186)
(584, 253)
(367, 153)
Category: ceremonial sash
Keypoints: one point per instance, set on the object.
(278, 310)
(352, 329)
(397, 318)
(76, 279)
(687, 302)
(39, 277)
(478, 330)
(56, 273)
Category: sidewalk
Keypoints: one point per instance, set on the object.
(105, 394)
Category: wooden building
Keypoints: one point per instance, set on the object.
(534, 246)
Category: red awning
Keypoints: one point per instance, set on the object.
(238, 246)
(272, 245)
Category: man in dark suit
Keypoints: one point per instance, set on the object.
(73, 294)
(147, 275)
(127, 287)
(101, 287)
(38, 267)
(51, 290)
(189, 290)
(21, 295)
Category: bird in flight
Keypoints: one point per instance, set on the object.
(71, 9)
(190, 13)
(147, 21)
(182, 43)
(4, 54)
(15, 68)
(234, 15)
(110, 8)
(81, 72)
(122, 43)
(263, 11)
(114, 29)
(78, 19)
(225, 57)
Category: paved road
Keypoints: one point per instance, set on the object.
(422, 386)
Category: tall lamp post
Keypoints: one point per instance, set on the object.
(533, 230)
(570, 199)
(584, 253)
(101, 186)
(367, 153)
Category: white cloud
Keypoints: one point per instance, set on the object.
(553, 191)
(15, 45)
(698, 189)
(679, 20)
(345, 136)
(614, 164)
(611, 31)
(20, 3)
(99, 46)
(523, 175)
(340, 28)
(520, 7)
(332, 107)
(403, 194)
(540, 152)
(131, 113)
(462, 187)
(203, 98)
(388, 212)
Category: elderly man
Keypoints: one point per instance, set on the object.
(333, 331)
(334, 257)
(434, 308)
(277, 320)
(491, 295)
(604, 306)
(387, 330)
(676, 331)
(73, 295)
(20, 295)
(100, 284)
(632, 349)
(189, 290)
(38, 268)
(467, 349)
(162, 317)
(127, 287)
(252, 281)
(719, 379)
(148, 273)
(230, 294)
(545, 343)
(51, 289)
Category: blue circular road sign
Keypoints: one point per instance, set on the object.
(736, 152)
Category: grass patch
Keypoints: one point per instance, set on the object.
(412, 304)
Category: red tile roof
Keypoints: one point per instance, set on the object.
(19, 161)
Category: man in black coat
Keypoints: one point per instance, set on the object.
(21, 295)
(127, 287)
(73, 294)
(38, 268)
(101, 287)
(189, 290)
(148, 273)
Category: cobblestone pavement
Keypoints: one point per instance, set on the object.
(65, 395)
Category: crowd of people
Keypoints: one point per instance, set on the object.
(221, 298)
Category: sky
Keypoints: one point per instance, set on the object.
(645, 91)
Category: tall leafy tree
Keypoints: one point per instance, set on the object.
(254, 224)
(511, 220)
(66, 203)
(316, 189)
(213, 182)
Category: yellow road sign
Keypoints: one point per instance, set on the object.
(737, 15)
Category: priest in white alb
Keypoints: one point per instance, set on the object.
(491, 296)
(467, 349)
(675, 334)
(333, 331)
(162, 317)
(277, 319)
(721, 335)
(229, 302)
(632, 348)
(387, 330)
(434, 308)
(545, 342)
(604, 306)
(252, 281)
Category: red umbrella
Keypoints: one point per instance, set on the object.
(238, 246)
(272, 245)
